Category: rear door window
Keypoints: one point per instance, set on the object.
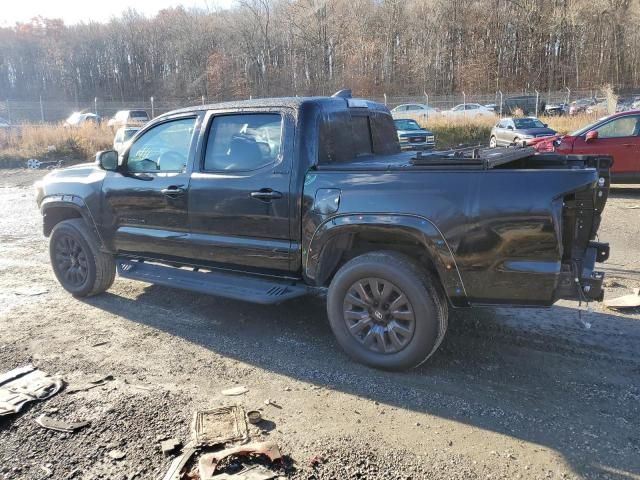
(242, 142)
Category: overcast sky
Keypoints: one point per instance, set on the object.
(75, 11)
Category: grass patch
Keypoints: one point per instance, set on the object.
(52, 142)
(455, 132)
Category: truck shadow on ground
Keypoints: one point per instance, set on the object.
(534, 374)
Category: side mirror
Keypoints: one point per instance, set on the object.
(510, 127)
(107, 160)
(591, 136)
(545, 125)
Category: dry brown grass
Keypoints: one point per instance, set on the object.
(53, 142)
(464, 131)
(569, 124)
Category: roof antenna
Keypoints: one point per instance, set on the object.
(344, 93)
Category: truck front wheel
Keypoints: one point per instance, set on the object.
(79, 265)
(386, 311)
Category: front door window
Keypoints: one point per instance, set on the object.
(163, 148)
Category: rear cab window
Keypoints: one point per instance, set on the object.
(138, 115)
(348, 135)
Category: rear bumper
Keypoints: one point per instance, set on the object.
(582, 213)
(584, 282)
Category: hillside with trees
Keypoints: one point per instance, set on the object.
(289, 47)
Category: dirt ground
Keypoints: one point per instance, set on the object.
(525, 393)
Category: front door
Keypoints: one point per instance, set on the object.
(239, 196)
(619, 138)
(145, 202)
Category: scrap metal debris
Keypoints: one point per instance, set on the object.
(23, 385)
(235, 391)
(626, 301)
(272, 403)
(30, 291)
(254, 417)
(170, 446)
(98, 382)
(35, 164)
(206, 458)
(254, 472)
(15, 373)
(59, 425)
(219, 426)
(208, 462)
(179, 464)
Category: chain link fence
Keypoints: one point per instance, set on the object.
(42, 110)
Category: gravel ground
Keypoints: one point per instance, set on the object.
(524, 393)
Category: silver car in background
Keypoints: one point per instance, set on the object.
(416, 111)
(518, 131)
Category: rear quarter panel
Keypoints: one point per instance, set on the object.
(502, 227)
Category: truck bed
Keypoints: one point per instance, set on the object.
(518, 227)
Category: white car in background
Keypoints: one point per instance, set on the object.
(123, 137)
(415, 111)
(128, 117)
(469, 110)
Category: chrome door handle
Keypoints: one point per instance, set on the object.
(266, 194)
(173, 191)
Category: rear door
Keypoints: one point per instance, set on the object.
(144, 204)
(239, 195)
(619, 138)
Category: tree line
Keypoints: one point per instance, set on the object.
(302, 47)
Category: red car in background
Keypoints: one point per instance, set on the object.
(617, 135)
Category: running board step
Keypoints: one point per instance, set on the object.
(221, 284)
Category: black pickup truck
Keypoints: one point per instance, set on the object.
(266, 200)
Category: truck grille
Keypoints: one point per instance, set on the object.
(417, 139)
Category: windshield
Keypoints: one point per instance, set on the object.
(523, 123)
(407, 125)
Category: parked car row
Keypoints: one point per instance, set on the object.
(120, 119)
(422, 112)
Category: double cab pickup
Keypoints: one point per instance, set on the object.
(266, 200)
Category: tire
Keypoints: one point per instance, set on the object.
(374, 335)
(77, 262)
(493, 142)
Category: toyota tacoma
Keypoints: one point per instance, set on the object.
(266, 200)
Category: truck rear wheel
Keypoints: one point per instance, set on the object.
(386, 311)
(79, 265)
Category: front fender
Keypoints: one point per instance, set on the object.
(53, 208)
(420, 229)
